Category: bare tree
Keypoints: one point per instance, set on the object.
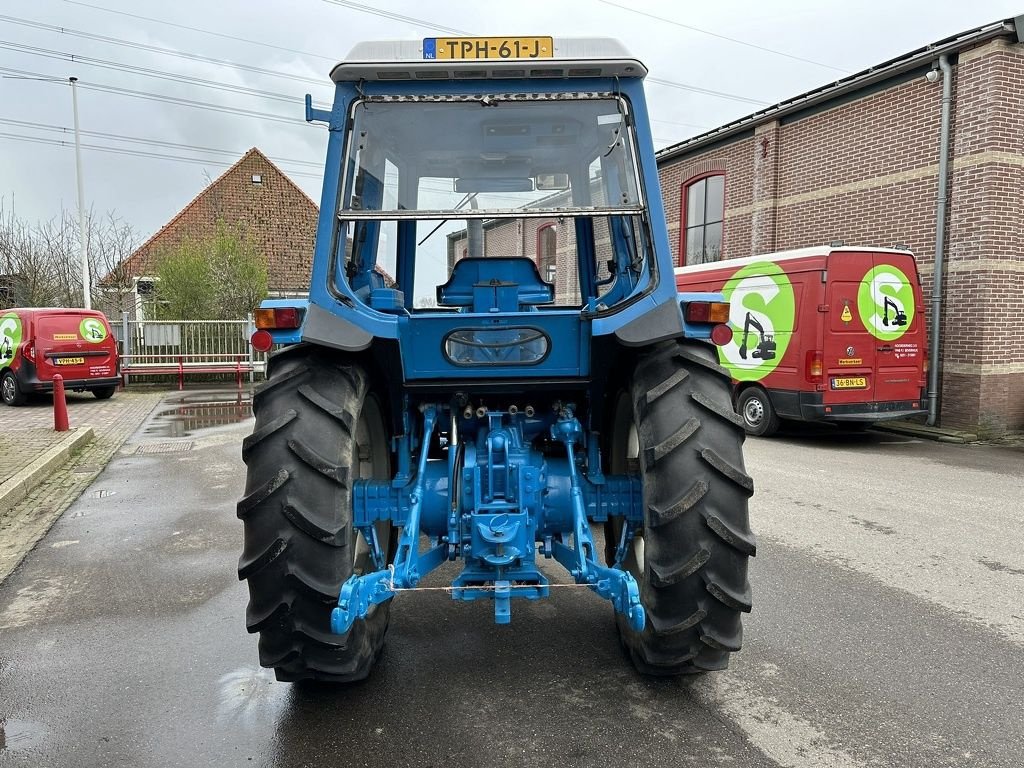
(111, 247)
(41, 265)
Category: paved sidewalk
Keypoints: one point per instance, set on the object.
(28, 442)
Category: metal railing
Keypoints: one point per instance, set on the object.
(205, 344)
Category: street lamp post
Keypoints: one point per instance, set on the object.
(82, 244)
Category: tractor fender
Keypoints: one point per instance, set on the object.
(328, 330)
(663, 322)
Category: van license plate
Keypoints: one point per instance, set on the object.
(850, 382)
(70, 361)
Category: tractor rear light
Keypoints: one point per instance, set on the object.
(707, 312)
(278, 317)
(262, 341)
(814, 367)
(721, 334)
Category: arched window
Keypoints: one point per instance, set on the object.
(703, 209)
(547, 249)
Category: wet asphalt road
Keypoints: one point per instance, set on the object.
(887, 631)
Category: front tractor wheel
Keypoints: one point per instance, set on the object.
(675, 425)
(317, 429)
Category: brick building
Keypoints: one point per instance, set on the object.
(255, 195)
(858, 161)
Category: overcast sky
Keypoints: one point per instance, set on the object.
(811, 42)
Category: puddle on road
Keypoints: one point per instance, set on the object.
(19, 735)
(251, 696)
(183, 414)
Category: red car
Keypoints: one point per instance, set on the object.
(820, 334)
(37, 343)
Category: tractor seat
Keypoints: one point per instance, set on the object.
(495, 284)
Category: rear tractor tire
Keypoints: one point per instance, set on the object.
(675, 425)
(318, 428)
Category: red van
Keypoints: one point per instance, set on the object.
(821, 334)
(37, 343)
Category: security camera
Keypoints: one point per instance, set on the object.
(932, 76)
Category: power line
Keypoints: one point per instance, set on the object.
(722, 37)
(150, 141)
(134, 152)
(684, 125)
(432, 25)
(146, 72)
(361, 8)
(344, 3)
(161, 143)
(157, 49)
(202, 31)
(706, 91)
(103, 88)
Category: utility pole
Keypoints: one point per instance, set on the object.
(82, 244)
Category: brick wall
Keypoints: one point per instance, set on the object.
(866, 172)
(279, 217)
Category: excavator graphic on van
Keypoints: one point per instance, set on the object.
(900, 318)
(765, 349)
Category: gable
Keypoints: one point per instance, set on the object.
(279, 217)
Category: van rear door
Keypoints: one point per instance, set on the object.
(76, 345)
(848, 348)
(891, 308)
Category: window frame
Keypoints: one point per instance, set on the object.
(547, 229)
(684, 198)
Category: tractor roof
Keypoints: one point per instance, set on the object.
(453, 58)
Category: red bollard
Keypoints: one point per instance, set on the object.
(60, 404)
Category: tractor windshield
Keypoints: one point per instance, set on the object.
(548, 177)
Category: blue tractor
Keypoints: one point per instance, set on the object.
(493, 368)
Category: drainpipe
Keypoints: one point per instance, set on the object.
(940, 239)
(474, 232)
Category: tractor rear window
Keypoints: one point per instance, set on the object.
(546, 177)
(491, 154)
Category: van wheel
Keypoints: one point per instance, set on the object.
(10, 391)
(674, 426)
(759, 417)
(104, 393)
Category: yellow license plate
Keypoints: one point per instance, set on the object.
(69, 360)
(488, 48)
(850, 382)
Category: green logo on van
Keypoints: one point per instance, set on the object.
(92, 330)
(762, 311)
(885, 302)
(10, 337)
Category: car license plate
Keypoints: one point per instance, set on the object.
(69, 360)
(488, 48)
(850, 382)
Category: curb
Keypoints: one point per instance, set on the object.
(928, 433)
(16, 488)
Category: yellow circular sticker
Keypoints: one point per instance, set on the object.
(93, 330)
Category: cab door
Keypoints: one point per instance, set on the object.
(848, 349)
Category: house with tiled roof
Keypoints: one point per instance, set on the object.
(258, 198)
